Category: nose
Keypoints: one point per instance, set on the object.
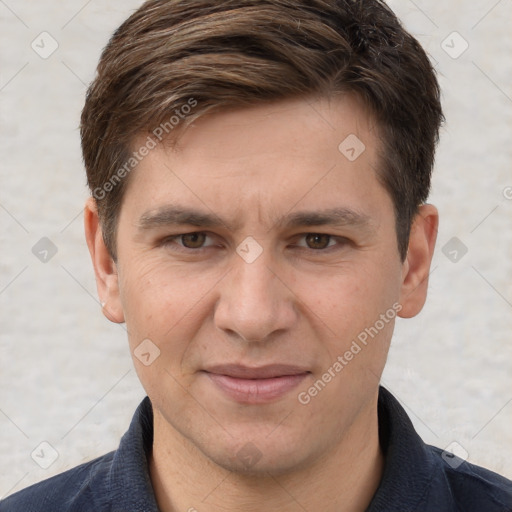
(255, 303)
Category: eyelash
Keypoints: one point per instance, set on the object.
(174, 240)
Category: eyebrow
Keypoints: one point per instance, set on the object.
(173, 215)
(336, 217)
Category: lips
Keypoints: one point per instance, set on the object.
(261, 372)
(253, 385)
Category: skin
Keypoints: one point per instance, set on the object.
(295, 304)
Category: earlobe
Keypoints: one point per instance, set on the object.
(416, 267)
(105, 269)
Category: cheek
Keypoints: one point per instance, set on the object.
(163, 303)
(163, 312)
(351, 299)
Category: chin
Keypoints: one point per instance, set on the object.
(259, 457)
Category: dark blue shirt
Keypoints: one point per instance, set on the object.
(417, 477)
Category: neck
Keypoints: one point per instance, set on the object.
(343, 480)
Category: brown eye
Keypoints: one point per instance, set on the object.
(193, 240)
(317, 240)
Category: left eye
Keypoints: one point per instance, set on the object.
(316, 241)
(196, 240)
(193, 240)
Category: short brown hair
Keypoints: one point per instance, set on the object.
(215, 55)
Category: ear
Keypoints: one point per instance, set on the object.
(105, 268)
(416, 267)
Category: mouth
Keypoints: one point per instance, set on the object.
(250, 385)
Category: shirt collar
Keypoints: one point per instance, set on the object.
(129, 480)
(409, 464)
(407, 471)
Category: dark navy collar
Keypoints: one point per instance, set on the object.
(408, 468)
(409, 464)
(128, 480)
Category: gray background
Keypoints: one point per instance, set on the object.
(66, 377)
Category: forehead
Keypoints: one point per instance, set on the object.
(266, 160)
(302, 127)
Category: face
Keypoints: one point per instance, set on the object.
(254, 258)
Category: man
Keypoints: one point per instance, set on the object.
(259, 171)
